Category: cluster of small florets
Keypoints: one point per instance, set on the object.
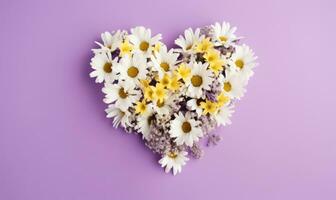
(172, 98)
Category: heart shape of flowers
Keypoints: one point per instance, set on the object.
(173, 98)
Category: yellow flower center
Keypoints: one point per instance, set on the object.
(223, 38)
(172, 155)
(189, 47)
(107, 67)
(144, 46)
(160, 104)
(203, 47)
(240, 63)
(227, 86)
(142, 107)
(211, 58)
(165, 66)
(165, 80)
(196, 80)
(122, 93)
(209, 107)
(186, 127)
(132, 72)
(160, 92)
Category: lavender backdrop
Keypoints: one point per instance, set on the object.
(56, 144)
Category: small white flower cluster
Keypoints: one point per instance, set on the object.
(173, 98)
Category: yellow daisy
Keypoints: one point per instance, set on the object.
(211, 55)
(141, 107)
(157, 47)
(160, 92)
(144, 83)
(208, 107)
(184, 72)
(204, 46)
(125, 48)
(174, 83)
(165, 81)
(222, 99)
(149, 93)
(216, 66)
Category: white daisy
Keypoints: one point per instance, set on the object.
(164, 61)
(143, 42)
(175, 161)
(224, 33)
(110, 41)
(133, 69)
(234, 85)
(194, 104)
(223, 115)
(185, 130)
(243, 60)
(200, 79)
(190, 39)
(143, 122)
(119, 116)
(122, 94)
(104, 67)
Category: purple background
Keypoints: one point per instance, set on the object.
(56, 144)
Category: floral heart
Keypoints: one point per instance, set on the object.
(173, 98)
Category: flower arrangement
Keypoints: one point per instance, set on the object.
(173, 98)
